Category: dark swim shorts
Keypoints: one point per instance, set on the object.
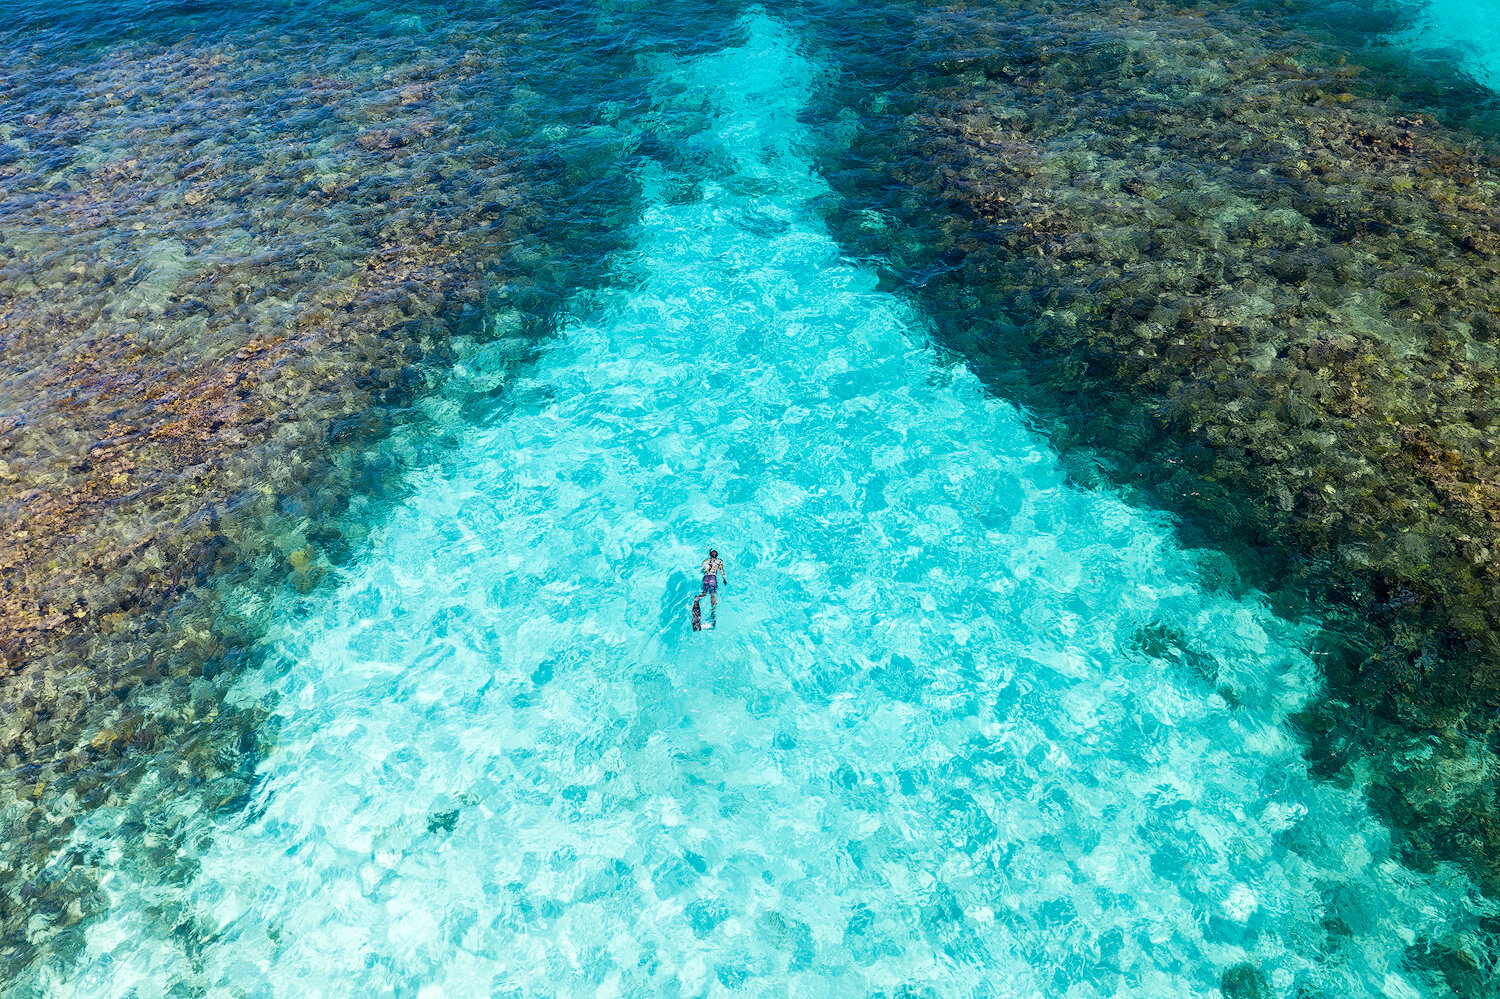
(710, 582)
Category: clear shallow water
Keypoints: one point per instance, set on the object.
(962, 729)
(1464, 33)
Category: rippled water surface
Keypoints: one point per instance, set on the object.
(961, 728)
(957, 727)
(1466, 32)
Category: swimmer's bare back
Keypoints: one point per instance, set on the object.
(713, 572)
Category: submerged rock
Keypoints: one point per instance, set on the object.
(1244, 981)
(229, 258)
(1209, 250)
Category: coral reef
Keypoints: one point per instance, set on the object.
(1214, 256)
(229, 263)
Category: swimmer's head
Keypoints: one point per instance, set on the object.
(713, 553)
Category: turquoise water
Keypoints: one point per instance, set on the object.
(962, 728)
(1462, 33)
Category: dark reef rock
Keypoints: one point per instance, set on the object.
(228, 263)
(1210, 250)
(1243, 981)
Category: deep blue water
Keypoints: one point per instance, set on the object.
(949, 735)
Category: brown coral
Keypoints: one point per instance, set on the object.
(228, 263)
(1268, 291)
